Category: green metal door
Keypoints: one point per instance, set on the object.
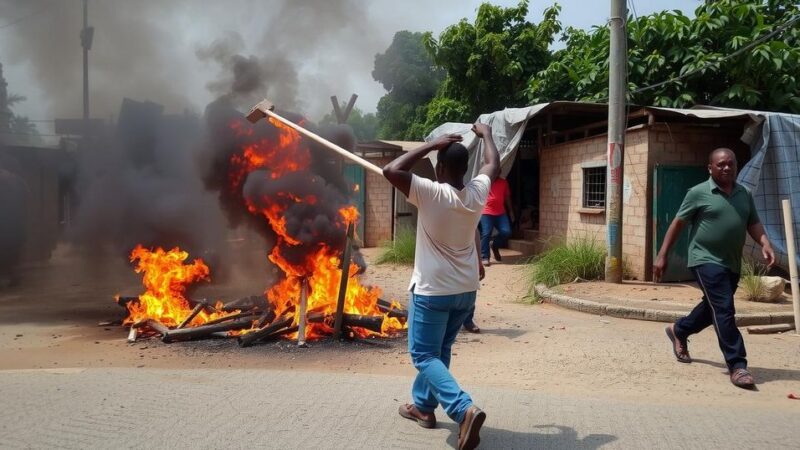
(671, 184)
(354, 174)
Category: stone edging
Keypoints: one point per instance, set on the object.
(655, 315)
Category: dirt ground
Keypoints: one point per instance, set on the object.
(51, 322)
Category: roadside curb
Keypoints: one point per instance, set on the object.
(654, 315)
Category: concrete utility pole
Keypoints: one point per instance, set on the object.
(617, 123)
(87, 35)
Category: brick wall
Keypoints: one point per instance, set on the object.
(378, 206)
(561, 212)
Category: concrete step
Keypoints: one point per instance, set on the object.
(530, 235)
(526, 248)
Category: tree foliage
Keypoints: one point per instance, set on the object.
(666, 45)
(407, 72)
(489, 62)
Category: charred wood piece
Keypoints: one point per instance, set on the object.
(248, 339)
(386, 308)
(241, 315)
(248, 303)
(203, 331)
(372, 323)
(199, 307)
(154, 325)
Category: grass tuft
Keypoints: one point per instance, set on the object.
(582, 258)
(399, 251)
(751, 282)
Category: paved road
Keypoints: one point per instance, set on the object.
(151, 408)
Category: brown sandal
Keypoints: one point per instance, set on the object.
(425, 420)
(679, 346)
(742, 378)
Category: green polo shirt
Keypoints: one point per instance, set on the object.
(718, 223)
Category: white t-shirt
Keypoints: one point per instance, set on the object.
(446, 259)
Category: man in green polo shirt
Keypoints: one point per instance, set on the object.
(719, 212)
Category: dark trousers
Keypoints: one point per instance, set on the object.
(718, 284)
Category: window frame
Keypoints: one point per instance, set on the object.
(588, 166)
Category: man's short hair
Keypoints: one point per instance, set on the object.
(720, 150)
(455, 158)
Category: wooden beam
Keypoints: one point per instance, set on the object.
(349, 108)
(336, 111)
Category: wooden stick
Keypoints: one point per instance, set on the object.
(792, 253)
(239, 315)
(154, 325)
(133, 333)
(199, 307)
(265, 109)
(248, 339)
(202, 331)
(301, 324)
(337, 324)
(769, 329)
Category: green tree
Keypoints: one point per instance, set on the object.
(666, 45)
(365, 126)
(489, 62)
(407, 72)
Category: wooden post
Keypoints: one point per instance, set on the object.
(349, 108)
(301, 323)
(337, 324)
(792, 252)
(336, 109)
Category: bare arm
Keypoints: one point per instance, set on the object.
(491, 159)
(398, 172)
(758, 234)
(481, 269)
(671, 237)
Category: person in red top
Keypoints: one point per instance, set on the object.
(495, 215)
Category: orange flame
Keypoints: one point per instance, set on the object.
(165, 278)
(321, 267)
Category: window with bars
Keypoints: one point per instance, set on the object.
(594, 187)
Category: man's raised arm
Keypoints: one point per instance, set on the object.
(491, 159)
(398, 172)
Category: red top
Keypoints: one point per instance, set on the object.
(495, 203)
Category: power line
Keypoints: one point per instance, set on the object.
(14, 22)
(732, 55)
(633, 8)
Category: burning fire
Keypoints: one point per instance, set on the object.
(166, 275)
(165, 280)
(322, 267)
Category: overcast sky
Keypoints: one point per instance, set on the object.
(148, 49)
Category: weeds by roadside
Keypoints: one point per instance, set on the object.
(582, 258)
(399, 251)
(751, 282)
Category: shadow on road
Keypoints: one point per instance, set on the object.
(761, 374)
(546, 436)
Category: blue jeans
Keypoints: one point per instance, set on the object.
(434, 321)
(488, 224)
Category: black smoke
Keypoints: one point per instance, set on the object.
(140, 185)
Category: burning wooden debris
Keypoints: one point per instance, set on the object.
(164, 311)
(270, 174)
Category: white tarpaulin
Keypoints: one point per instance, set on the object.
(507, 125)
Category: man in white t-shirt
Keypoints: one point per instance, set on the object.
(447, 273)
